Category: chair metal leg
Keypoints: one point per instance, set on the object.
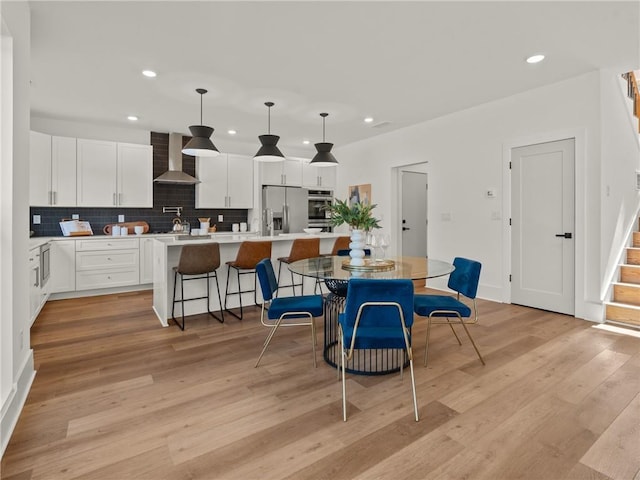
(239, 293)
(313, 341)
(413, 387)
(221, 317)
(344, 382)
(426, 345)
(173, 304)
(454, 331)
(268, 340)
(472, 342)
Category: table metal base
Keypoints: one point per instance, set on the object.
(364, 361)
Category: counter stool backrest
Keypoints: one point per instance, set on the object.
(199, 259)
(341, 243)
(250, 253)
(303, 248)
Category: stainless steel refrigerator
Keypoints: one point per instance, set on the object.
(289, 206)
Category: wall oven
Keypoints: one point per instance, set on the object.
(318, 217)
(45, 263)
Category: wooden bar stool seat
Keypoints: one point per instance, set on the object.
(300, 249)
(197, 262)
(249, 254)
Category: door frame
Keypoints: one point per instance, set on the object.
(396, 200)
(579, 136)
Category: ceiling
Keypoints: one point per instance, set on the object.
(400, 62)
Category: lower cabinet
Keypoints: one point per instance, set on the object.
(63, 266)
(146, 260)
(107, 263)
(37, 293)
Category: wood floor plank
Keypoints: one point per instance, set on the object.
(116, 396)
(616, 452)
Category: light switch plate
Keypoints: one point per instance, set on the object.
(36, 219)
(220, 218)
(120, 218)
(75, 216)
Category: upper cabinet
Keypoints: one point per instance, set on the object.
(226, 181)
(135, 175)
(114, 174)
(52, 167)
(318, 177)
(287, 172)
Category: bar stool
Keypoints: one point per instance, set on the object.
(341, 243)
(197, 262)
(300, 249)
(249, 254)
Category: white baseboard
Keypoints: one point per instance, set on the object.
(15, 402)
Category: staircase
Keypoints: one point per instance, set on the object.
(625, 306)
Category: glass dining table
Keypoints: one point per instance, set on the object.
(335, 272)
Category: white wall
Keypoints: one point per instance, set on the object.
(464, 152)
(14, 217)
(620, 160)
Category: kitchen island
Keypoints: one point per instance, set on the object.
(166, 253)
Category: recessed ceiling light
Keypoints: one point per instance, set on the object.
(535, 58)
(133, 118)
(231, 132)
(306, 142)
(149, 73)
(368, 120)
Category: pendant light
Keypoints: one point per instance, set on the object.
(269, 152)
(200, 144)
(324, 157)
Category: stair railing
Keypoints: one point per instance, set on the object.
(633, 93)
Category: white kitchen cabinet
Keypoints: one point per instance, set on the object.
(226, 181)
(107, 263)
(287, 172)
(37, 292)
(146, 260)
(52, 167)
(135, 175)
(114, 174)
(97, 171)
(63, 266)
(318, 177)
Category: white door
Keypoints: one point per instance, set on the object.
(542, 225)
(414, 214)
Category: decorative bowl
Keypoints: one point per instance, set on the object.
(311, 231)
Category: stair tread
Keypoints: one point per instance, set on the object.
(623, 305)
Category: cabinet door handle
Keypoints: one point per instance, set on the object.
(114, 199)
(50, 197)
(54, 198)
(119, 199)
(37, 284)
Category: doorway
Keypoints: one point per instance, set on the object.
(413, 217)
(542, 226)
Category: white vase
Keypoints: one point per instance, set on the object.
(357, 247)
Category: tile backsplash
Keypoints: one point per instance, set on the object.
(163, 196)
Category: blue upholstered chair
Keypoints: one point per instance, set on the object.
(285, 311)
(463, 280)
(378, 314)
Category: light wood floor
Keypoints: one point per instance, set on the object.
(117, 396)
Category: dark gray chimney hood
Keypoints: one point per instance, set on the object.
(175, 175)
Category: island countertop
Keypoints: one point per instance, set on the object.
(166, 254)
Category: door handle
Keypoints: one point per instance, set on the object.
(564, 235)
(405, 228)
